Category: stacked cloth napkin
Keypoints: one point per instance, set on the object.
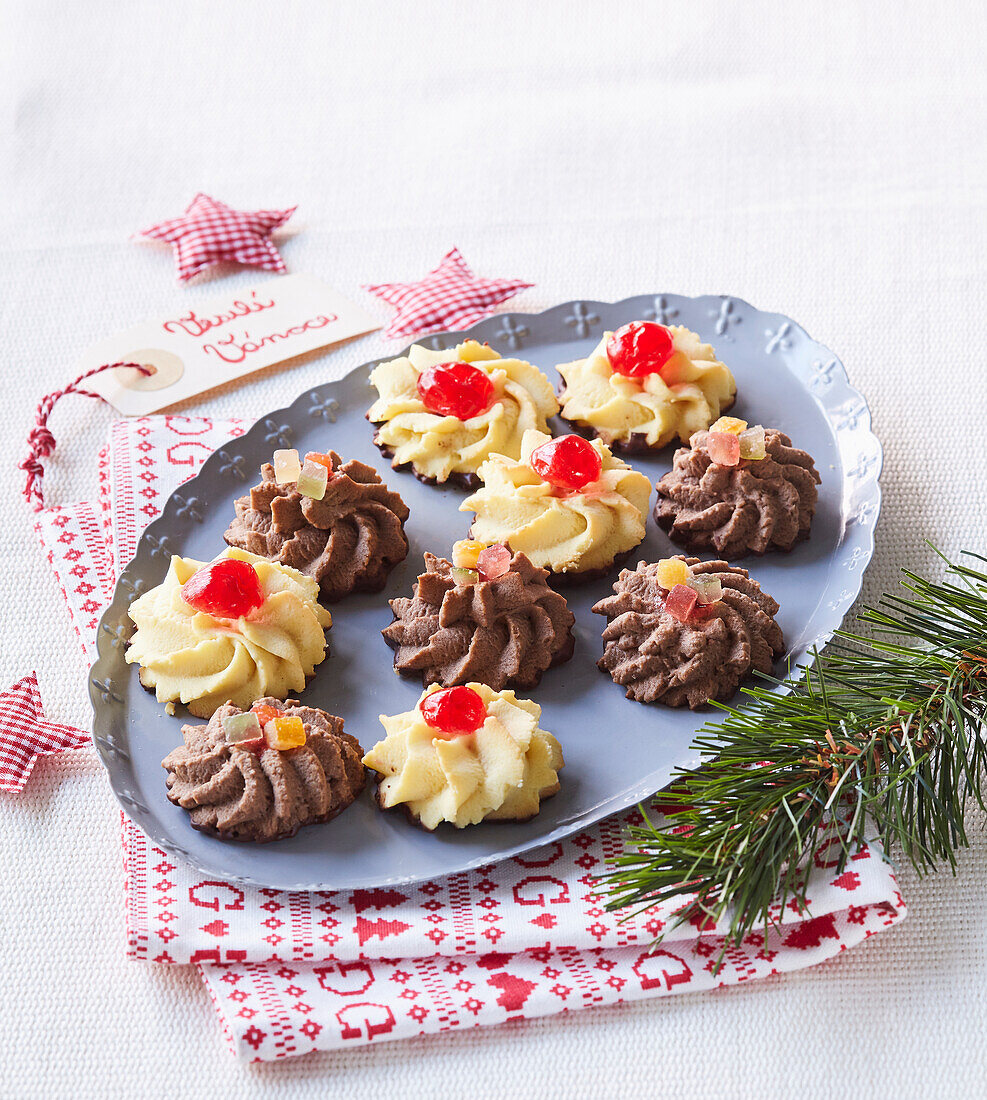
(295, 972)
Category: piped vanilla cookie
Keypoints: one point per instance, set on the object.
(235, 629)
(443, 413)
(568, 504)
(464, 755)
(645, 385)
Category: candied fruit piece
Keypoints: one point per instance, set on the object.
(465, 576)
(729, 424)
(287, 731)
(707, 588)
(465, 552)
(265, 712)
(639, 348)
(568, 462)
(243, 730)
(321, 459)
(312, 480)
(752, 443)
(456, 389)
(286, 467)
(454, 711)
(227, 588)
(494, 562)
(679, 603)
(724, 448)
(672, 571)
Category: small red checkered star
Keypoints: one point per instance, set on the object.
(450, 297)
(26, 734)
(210, 232)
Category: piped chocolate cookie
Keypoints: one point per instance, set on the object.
(737, 490)
(683, 632)
(334, 521)
(262, 774)
(488, 615)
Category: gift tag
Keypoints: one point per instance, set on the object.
(192, 350)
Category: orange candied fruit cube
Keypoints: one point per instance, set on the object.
(323, 460)
(288, 732)
(732, 424)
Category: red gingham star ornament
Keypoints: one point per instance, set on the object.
(450, 297)
(210, 232)
(26, 734)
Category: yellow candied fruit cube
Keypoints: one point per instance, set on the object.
(672, 571)
(466, 552)
(729, 424)
(285, 732)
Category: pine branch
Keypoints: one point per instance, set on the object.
(885, 732)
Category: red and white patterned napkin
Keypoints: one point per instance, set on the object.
(295, 972)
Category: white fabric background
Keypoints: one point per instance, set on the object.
(830, 166)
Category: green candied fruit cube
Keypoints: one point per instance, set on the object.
(752, 443)
(708, 589)
(465, 576)
(242, 727)
(312, 480)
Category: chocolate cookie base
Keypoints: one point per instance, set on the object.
(701, 544)
(563, 654)
(637, 443)
(468, 482)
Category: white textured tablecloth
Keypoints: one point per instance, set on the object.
(829, 166)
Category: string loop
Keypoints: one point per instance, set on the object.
(41, 442)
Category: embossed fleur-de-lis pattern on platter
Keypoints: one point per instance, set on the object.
(325, 407)
(778, 338)
(191, 507)
(277, 434)
(512, 333)
(823, 373)
(727, 313)
(660, 311)
(582, 319)
(431, 956)
(234, 466)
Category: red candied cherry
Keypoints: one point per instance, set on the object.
(456, 389)
(640, 348)
(568, 462)
(228, 588)
(454, 711)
